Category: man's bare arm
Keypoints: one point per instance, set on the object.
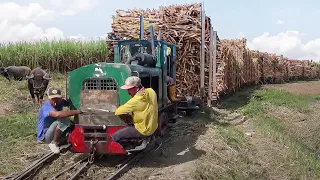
(64, 114)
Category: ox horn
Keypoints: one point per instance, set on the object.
(30, 77)
(47, 77)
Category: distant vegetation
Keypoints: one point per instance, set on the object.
(62, 55)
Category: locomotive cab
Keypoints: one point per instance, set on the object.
(96, 87)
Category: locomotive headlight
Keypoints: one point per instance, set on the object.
(104, 127)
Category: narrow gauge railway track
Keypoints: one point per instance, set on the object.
(81, 166)
(30, 170)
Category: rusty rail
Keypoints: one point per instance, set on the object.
(36, 165)
(122, 168)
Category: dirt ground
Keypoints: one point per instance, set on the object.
(178, 161)
(176, 158)
(197, 141)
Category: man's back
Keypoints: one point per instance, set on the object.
(144, 106)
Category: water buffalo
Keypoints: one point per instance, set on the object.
(38, 81)
(18, 73)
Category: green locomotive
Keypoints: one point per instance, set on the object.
(97, 86)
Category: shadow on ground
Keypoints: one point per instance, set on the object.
(179, 144)
(238, 99)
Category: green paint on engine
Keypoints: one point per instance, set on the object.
(120, 72)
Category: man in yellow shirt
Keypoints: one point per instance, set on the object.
(141, 111)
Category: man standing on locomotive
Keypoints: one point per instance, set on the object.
(170, 81)
(171, 89)
(53, 122)
(143, 107)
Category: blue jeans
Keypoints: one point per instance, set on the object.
(62, 124)
(127, 135)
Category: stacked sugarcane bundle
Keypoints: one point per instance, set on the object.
(272, 68)
(178, 24)
(237, 66)
(221, 86)
(268, 66)
(249, 68)
(315, 70)
(306, 69)
(256, 74)
(111, 41)
(291, 69)
(286, 74)
(256, 59)
(280, 69)
(298, 69)
(307, 72)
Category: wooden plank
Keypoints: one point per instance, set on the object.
(202, 54)
(210, 68)
(214, 64)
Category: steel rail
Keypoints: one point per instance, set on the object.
(80, 170)
(36, 165)
(67, 169)
(124, 167)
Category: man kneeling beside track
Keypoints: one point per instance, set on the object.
(53, 122)
(143, 122)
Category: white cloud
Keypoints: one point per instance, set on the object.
(19, 22)
(33, 12)
(288, 44)
(73, 7)
(279, 21)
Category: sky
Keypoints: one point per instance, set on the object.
(283, 27)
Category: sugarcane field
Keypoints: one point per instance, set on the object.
(159, 96)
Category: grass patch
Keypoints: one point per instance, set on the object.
(233, 157)
(18, 124)
(230, 159)
(283, 98)
(233, 137)
(301, 160)
(18, 137)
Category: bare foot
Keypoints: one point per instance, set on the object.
(40, 142)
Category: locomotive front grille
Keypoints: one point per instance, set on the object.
(101, 95)
(100, 84)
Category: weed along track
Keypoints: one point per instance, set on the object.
(52, 166)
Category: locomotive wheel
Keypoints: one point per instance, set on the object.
(163, 121)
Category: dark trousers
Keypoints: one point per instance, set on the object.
(127, 136)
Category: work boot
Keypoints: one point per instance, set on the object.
(143, 145)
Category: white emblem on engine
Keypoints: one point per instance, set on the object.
(99, 69)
